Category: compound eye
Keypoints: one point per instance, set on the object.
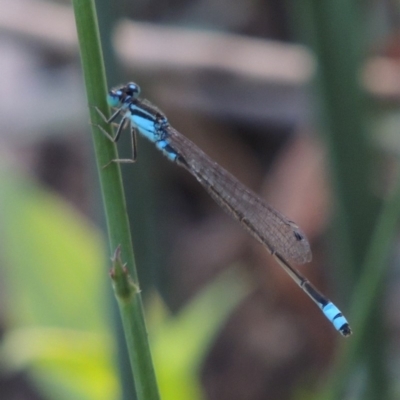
(114, 98)
(133, 89)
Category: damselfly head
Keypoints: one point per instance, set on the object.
(121, 95)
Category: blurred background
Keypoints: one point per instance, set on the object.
(299, 100)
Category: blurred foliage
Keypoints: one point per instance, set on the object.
(180, 342)
(56, 304)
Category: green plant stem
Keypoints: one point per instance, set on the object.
(335, 32)
(367, 290)
(127, 293)
(112, 189)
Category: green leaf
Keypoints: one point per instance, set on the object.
(56, 321)
(180, 343)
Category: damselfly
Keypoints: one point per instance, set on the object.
(282, 237)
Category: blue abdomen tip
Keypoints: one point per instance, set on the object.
(336, 317)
